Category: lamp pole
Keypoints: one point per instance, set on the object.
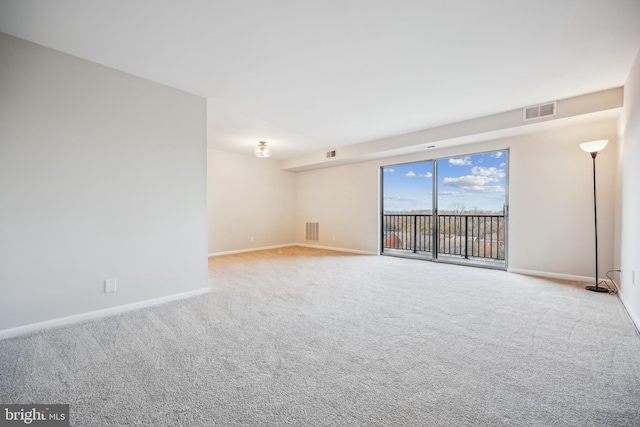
(593, 148)
(595, 288)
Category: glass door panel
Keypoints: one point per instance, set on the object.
(407, 208)
(471, 202)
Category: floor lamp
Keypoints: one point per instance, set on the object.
(594, 148)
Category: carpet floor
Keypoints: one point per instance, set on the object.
(308, 337)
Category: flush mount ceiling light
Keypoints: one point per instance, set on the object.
(262, 150)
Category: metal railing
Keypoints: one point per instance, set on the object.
(459, 235)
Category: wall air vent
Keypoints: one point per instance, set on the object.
(313, 231)
(331, 154)
(539, 111)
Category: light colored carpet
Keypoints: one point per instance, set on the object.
(309, 337)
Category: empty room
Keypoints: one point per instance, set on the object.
(320, 213)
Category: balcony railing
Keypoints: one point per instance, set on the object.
(460, 235)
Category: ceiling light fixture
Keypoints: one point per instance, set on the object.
(262, 150)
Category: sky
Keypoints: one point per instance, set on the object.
(476, 181)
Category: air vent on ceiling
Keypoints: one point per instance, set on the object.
(539, 111)
(331, 154)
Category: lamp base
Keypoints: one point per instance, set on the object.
(597, 289)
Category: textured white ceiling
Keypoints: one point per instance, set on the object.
(312, 75)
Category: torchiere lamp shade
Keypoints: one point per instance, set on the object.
(594, 146)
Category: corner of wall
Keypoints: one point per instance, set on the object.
(629, 206)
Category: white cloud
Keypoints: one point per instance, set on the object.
(484, 188)
(387, 170)
(474, 183)
(402, 199)
(498, 154)
(454, 193)
(426, 175)
(490, 172)
(410, 174)
(503, 165)
(467, 180)
(460, 161)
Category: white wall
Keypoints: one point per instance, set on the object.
(550, 190)
(630, 206)
(248, 197)
(102, 175)
(551, 201)
(344, 201)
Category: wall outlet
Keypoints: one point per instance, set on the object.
(252, 240)
(334, 238)
(109, 285)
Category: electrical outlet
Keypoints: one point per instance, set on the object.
(253, 239)
(334, 238)
(109, 285)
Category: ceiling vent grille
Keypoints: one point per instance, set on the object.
(331, 154)
(539, 111)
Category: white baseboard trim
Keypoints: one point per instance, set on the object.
(633, 318)
(47, 324)
(560, 276)
(262, 248)
(331, 248)
(589, 280)
(304, 245)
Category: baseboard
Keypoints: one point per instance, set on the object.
(262, 248)
(634, 319)
(47, 324)
(560, 276)
(632, 316)
(331, 248)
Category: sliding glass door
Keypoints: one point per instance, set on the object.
(407, 222)
(450, 209)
